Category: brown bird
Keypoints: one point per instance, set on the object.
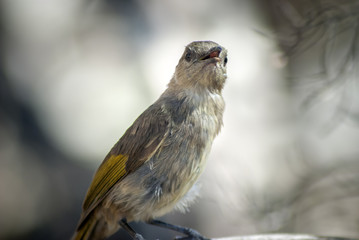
(153, 167)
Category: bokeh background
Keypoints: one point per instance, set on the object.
(74, 74)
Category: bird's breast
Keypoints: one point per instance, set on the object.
(182, 157)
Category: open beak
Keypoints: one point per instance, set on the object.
(213, 53)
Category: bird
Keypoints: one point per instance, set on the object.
(154, 166)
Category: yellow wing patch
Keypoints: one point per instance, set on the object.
(107, 175)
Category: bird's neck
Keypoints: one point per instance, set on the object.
(198, 87)
(196, 95)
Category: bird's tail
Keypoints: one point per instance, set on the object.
(91, 229)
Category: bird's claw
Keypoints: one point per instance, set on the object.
(138, 237)
(191, 235)
(190, 238)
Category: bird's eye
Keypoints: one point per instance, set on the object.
(188, 56)
(225, 61)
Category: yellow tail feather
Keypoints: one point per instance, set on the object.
(87, 230)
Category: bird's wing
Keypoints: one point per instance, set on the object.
(135, 147)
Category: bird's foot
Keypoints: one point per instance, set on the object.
(138, 237)
(191, 235)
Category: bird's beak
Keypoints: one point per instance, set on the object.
(213, 53)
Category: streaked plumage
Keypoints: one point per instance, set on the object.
(156, 162)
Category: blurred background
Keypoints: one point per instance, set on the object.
(74, 74)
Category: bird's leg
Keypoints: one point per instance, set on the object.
(191, 233)
(129, 230)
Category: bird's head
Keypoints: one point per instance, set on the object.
(202, 65)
